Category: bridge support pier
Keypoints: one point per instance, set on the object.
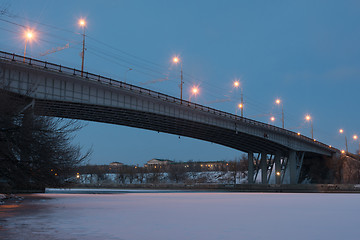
(277, 168)
(292, 167)
(251, 168)
(264, 168)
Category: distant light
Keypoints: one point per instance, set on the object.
(298, 133)
(82, 22)
(195, 90)
(355, 137)
(278, 173)
(314, 140)
(272, 119)
(176, 60)
(29, 35)
(308, 117)
(341, 131)
(329, 146)
(342, 151)
(240, 105)
(236, 83)
(277, 101)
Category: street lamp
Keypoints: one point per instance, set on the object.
(194, 91)
(341, 131)
(278, 102)
(28, 36)
(236, 84)
(177, 60)
(309, 119)
(82, 24)
(272, 119)
(239, 106)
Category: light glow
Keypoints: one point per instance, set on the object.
(272, 119)
(307, 117)
(355, 137)
(341, 131)
(29, 34)
(343, 151)
(236, 83)
(176, 60)
(82, 22)
(278, 101)
(278, 173)
(241, 105)
(195, 90)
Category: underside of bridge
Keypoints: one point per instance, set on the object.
(281, 165)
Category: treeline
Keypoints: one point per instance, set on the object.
(176, 172)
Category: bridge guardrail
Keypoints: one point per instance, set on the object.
(165, 97)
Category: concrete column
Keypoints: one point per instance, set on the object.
(292, 167)
(277, 169)
(251, 168)
(263, 166)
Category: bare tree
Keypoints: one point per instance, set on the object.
(177, 172)
(35, 151)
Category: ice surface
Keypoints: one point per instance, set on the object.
(179, 216)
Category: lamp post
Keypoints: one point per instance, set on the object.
(355, 137)
(278, 102)
(82, 24)
(309, 119)
(241, 105)
(341, 131)
(272, 119)
(176, 60)
(28, 36)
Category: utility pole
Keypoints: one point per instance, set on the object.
(82, 23)
(242, 103)
(181, 84)
(282, 115)
(83, 53)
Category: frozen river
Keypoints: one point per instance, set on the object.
(182, 215)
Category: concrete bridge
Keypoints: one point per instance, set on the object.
(58, 91)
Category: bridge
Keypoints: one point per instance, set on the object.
(54, 90)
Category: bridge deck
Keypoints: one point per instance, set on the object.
(244, 134)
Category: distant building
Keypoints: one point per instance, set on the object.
(213, 165)
(116, 164)
(156, 162)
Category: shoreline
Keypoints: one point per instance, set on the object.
(285, 188)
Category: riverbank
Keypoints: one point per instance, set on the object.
(271, 188)
(286, 188)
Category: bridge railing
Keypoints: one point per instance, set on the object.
(115, 83)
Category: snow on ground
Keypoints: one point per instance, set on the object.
(179, 216)
(219, 177)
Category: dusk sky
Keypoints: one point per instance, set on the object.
(307, 53)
